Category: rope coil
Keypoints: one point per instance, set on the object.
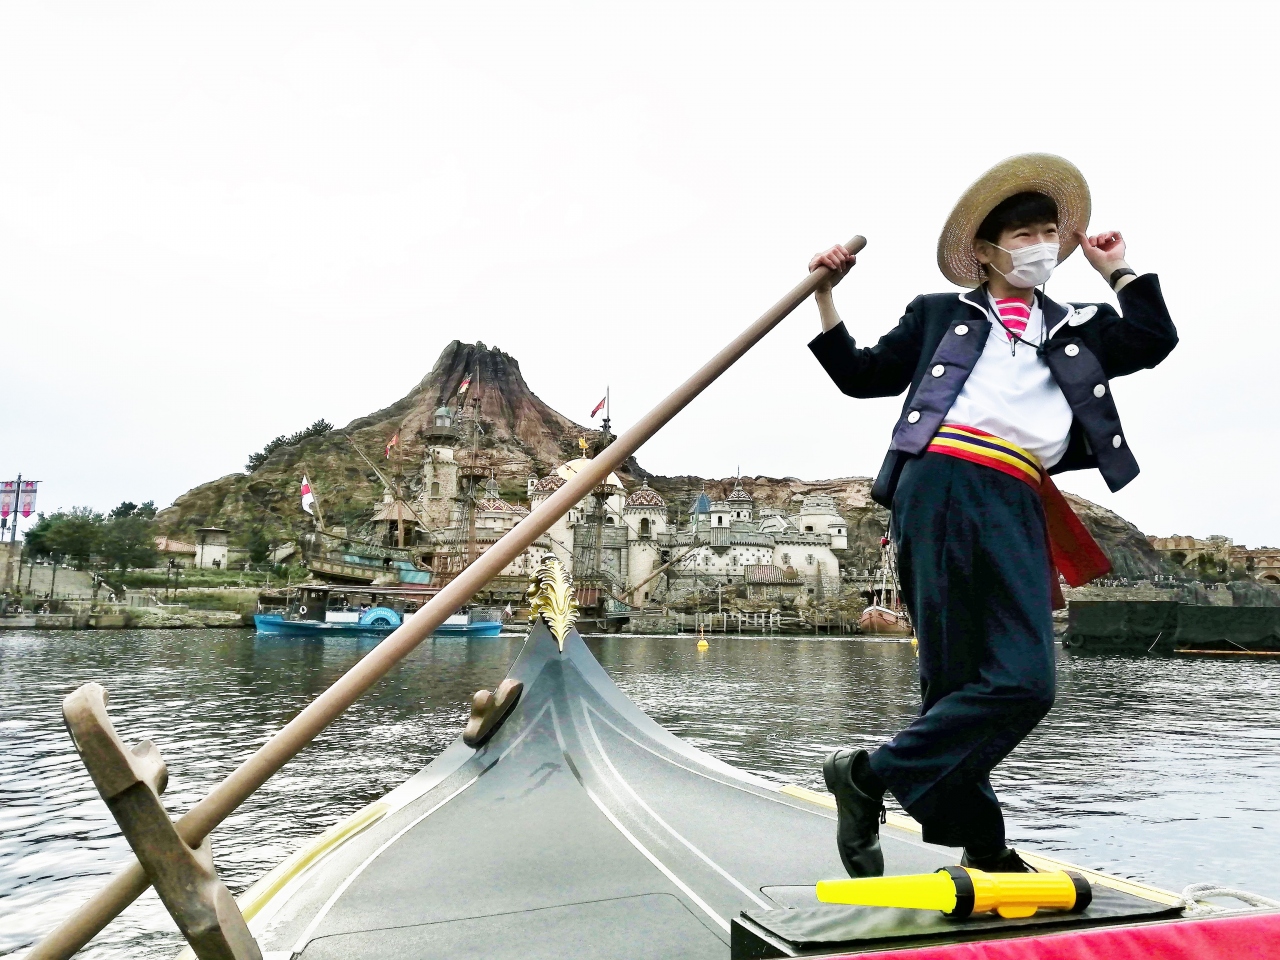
(1194, 897)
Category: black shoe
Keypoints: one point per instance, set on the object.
(858, 817)
(1006, 861)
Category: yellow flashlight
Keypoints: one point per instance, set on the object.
(961, 891)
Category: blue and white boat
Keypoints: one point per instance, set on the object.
(324, 610)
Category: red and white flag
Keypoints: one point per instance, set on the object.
(466, 382)
(308, 498)
(599, 406)
(395, 439)
(8, 494)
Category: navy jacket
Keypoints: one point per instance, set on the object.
(934, 347)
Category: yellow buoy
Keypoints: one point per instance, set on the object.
(961, 891)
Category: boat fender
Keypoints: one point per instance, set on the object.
(302, 609)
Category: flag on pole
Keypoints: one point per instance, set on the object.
(395, 439)
(27, 499)
(8, 496)
(308, 498)
(598, 407)
(466, 382)
(508, 612)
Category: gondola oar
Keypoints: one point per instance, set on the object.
(127, 885)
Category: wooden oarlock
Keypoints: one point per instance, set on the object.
(78, 929)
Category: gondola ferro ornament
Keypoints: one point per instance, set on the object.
(550, 596)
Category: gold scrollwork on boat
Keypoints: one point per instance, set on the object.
(550, 596)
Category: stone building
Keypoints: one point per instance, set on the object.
(1259, 563)
(438, 501)
(211, 548)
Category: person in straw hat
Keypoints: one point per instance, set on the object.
(1004, 388)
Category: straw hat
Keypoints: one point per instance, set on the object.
(1041, 172)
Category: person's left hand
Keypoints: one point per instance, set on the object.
(1102, 248)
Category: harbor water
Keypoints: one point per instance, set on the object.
(1164, 770)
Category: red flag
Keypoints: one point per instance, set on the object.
(308, 498)
(395, 439)
(8, 493)
(466, 382)
(598, 407)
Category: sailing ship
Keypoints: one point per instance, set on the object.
(885, 615)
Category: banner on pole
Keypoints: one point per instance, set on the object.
(27, 499)
(8, 497)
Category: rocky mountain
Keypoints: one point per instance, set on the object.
(518, 434)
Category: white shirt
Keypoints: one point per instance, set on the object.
(1012, 394)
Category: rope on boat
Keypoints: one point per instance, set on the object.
(1194, 895)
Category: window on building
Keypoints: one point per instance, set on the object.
(435, 488)
(808, 529)
(609, 521)
(809, 559)
(786, 559)
(644, 530)
(719, 521)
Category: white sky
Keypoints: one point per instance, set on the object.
(219, 223)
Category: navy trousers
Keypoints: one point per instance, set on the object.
(974, 563)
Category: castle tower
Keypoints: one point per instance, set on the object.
(645, 515)
(439, 469)
(740, 503)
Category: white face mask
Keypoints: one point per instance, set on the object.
(1031, 265)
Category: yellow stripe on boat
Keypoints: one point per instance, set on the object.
(258, 895)
(1037, 860)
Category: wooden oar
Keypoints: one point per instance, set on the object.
(127, 885)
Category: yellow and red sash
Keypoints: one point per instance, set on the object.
(1073, 550)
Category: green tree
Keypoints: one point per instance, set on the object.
(72, 535)
(258, 545)
(36, 539)
(128, 541)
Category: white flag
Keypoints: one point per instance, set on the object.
(308, 498)
(507, 612)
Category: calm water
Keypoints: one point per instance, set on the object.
(1164, 770)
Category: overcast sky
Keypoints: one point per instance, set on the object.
(220, 223)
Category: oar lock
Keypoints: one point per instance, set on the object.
(960, 892)
(130, 780)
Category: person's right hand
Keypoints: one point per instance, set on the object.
(838, 259)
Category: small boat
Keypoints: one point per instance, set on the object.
(326, 610)
(580, 827)
(378, 621)
(878, 621)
